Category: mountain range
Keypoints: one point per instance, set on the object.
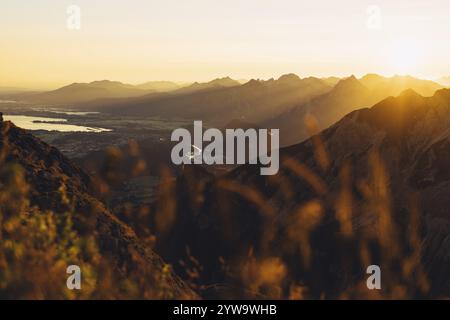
(347, 95)
(370, 189)
(253, 101)
(106, 91)
(284, 103)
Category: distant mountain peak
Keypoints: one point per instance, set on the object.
(396, 114)
(225, 81)
(254, 83)
(104, 82)
(76, 93)
(289, 77)
(349, 83)
(96, 83)
(373, 77)
(409, 93)
(404, 99)
(160, 86)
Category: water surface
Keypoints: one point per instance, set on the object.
(49, 124)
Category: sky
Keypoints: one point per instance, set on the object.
(135, 41)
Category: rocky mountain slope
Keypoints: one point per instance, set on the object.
(49, 219)
(371, 189)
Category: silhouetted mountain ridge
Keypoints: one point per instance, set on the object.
(84, 92)
(253, 101)
(371, 189)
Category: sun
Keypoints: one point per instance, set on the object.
(404, 57)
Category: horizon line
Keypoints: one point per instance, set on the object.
(55, 86)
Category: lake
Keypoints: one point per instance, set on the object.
(49, 124)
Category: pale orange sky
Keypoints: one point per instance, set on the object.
(197, 40)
